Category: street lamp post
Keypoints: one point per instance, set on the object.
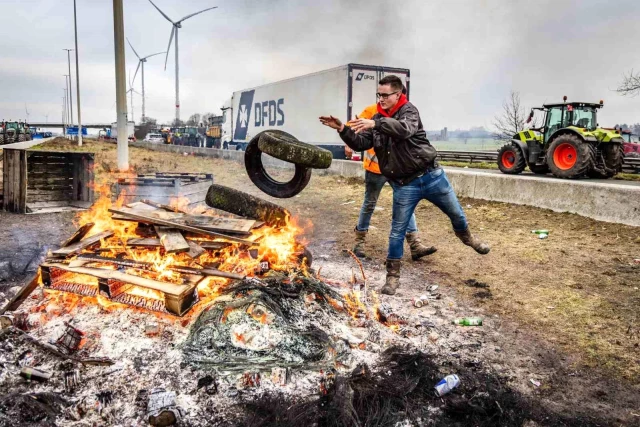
(75, 27)
(70, 83)
(67, 81)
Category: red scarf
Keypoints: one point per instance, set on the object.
(403, 100)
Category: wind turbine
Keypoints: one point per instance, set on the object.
(130, 92)
(174, 29)
(141, 62)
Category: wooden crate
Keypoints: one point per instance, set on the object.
(34, 180)
(165, 188)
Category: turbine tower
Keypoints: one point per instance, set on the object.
(131, 92)
(174, 30)
(141, 62)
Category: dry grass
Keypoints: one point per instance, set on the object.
(577, 290)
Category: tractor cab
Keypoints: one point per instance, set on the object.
(569, 144)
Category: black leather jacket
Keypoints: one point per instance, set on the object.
(400, 142)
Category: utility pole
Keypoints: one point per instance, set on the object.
(70, 83)
(67, 81)
(121, 89)
(64, 110)
(75, 27)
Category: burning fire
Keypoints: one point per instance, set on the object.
(275, 248)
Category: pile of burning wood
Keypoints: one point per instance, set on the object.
(164, 259)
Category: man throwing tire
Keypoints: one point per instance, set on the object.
(373, 183)
(407, 159)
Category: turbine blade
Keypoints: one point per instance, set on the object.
(134, 51)
(166, 58)
(154, 54)
(197, 13)
(161, 12)
(136, 73)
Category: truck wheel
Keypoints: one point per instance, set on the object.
(262, 180)
(21, 137)
(569, 157)
(1, 139)
(511, 159)
(286, 147)
(539, 169)
(243, 204)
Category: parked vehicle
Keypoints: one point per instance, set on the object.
(113, 132)
(155, 138)
(214, 133)
(631, 143)
(570, 144)
(14, 132)
(294, 105)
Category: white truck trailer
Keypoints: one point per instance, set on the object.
(294, 105)
(113, 133)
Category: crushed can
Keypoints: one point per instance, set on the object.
(420, 301)
(447, 384)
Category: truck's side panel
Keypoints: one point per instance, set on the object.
(292, 106)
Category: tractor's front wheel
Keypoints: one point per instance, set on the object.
(569, 157)
(511, 159)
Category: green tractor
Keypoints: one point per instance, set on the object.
(15, 132)
(569, 144)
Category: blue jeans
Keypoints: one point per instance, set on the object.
(432, 186)
(373, 183)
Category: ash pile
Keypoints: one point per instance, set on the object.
(236, 328)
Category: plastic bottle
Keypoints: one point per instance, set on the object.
(540, 232)
(467, 321)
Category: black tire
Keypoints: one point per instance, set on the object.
(613, 156)
(243, 204)
(1, 139)
(577, 163)
(21, 137)
(511, 159)
(539, 169)
(262, 180)
(286, 147)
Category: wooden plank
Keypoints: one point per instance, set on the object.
(157, 221)
(9, 198)
(78, 235)
(172, 239)
(207, 272)
(144, 242)
(173, 289)
(5, 180)
(22, 294)
(217, 223)
(75, 181)
(212, 245)
(161, 206)
(195, 250)
(92, 240)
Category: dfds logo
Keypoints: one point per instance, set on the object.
(363, 76)
(269, 112)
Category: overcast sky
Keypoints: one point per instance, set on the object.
(465, 55)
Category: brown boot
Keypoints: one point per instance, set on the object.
(393, 277)
(418, 250)
(358, 249)
(473, 241)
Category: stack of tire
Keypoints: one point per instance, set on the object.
(285, 147)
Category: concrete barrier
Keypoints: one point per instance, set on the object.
(610, 202)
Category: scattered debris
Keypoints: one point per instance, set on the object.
(152, 329)
(69, 341)
(467, 321)
(25, 359)
(71, 380)
(162, 409)
(534, 382)
(209, 383)
(249, 380)
(473, 283)
(447, 384)
(35, 374)
(280, 376)
(349, 202)
(420, 301)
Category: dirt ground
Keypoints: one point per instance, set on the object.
(563, 310)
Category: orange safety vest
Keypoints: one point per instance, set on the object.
(370, 161)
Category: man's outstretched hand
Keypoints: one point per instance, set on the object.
(332, 122)
(359, 125)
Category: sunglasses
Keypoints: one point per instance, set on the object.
(385, 95)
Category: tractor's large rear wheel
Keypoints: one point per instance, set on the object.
(612, 156)
(569, 157)
(21, 137)
(1, 138)
(511, 159)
